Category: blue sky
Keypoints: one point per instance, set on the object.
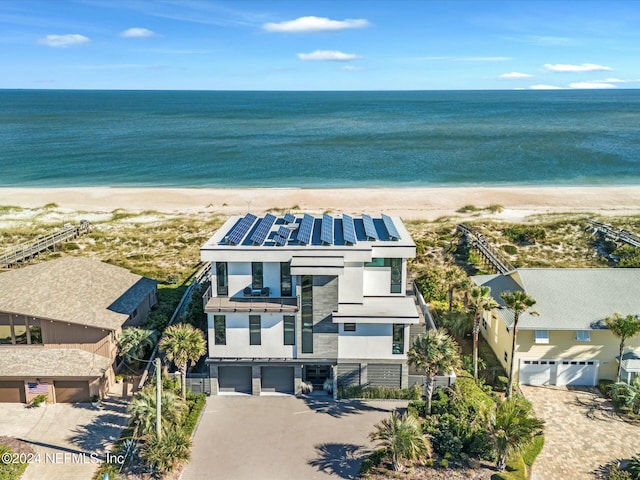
(319, 45)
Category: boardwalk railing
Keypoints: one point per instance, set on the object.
(616, 234)
(198, 279)
(28, 250)
(488, 252)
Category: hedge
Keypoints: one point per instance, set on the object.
(196, 403)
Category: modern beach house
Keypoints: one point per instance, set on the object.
(306, 298)
(565, 342)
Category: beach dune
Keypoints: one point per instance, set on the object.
(409, 203)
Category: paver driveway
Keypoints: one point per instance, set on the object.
(582, 432)
(283, 438)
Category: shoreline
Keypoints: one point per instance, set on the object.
(410, 203)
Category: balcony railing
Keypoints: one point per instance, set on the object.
(251, 304)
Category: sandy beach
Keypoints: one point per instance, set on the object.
(409, 203)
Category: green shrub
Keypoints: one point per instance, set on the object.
(605, 387)
(524, 234)
(444, 463)
(196, 403)
(510, 249)
(617, 473)
(372, 461)
(10, 470)
(467, 364)
(628, 256)
(516, 470)
(530, 453)
(501, 383)
(482, 446)
(378, 392)
(432, 286)
(634, 467)
(417, 408)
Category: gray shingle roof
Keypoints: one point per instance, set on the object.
(76, 290)
(51, 362)
(569, 298)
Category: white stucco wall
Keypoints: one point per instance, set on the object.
(373, 341)
(271, 278)
(377, 281)
(239, 276)
(238, 337)
(350, 283)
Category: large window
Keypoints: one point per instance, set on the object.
(398, 339)
(220, 329)
(289, 323)
(222, 278)
(285, 279)
(395, 264)
(583, 335)
(255, 333)
(541, 336)
(307, 314)
(256, 275)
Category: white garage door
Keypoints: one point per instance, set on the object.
(577, 372)
(537, 372)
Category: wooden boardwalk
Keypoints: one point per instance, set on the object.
(26, 251)
(491, 254)
(615, 234)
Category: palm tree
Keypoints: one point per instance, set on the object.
(518, 302)
(454, 278)
(134, 342)
(432, 353)
(183, 344)
(143, 410)
(623, 328)
(513, 426)
(402, 437)
(168, 452)
(481, 301)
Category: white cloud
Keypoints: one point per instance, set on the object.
(591, 85)
(545, 87)
(515, 75)
(585, 67)
(137, 32)
(328, 55)
(351, 68)
(615, 80)
(63, 40)
(314, 24)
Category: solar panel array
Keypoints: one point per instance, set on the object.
(283, 232)
(326, 234)
(263, 229)
(306, 229)
(369, 227)
(391, 228)
(279, 240)
(349, 229)
(288, 218)
(238, 232)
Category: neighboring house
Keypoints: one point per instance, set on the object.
(297, 298)
(567, 342)
(59, 321)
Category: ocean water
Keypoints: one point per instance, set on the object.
(55, 138)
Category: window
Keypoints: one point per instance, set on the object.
(396, 271)
(506, 356)
(220, 329)
(20, 332)
(306, 300)
(583, 336)
(349, 327)
(222, 279)
(289, 322)
(484, 324)
(256, 275)
(541, 336)
(35, 331)
(255, 337)
(398, 339)
(285, 279)
(375, 262)
(5, 330)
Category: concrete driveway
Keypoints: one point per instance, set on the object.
(582, 432)
(283, 438)
(65, 436)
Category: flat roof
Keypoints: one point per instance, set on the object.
(378, 310)
(77, 290)
(51, 362)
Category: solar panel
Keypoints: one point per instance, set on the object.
(238, 232)
(288, 218)
(305, 230)
(279, 240)
(283, 232)
(369, 227)
(326, 234)
(391, 228)
(263, 229)
(348, 229)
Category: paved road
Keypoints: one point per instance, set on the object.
(65, 435)
(582, 433)
(283, 438)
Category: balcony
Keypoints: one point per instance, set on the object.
(251, 304)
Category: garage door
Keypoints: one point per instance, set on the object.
(71, 392)
(277, 379)
(12, 392)
(234, 379)
(384, 375)
(577, 372)
(537, 372)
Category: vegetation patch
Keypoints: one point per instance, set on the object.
(378, 392)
